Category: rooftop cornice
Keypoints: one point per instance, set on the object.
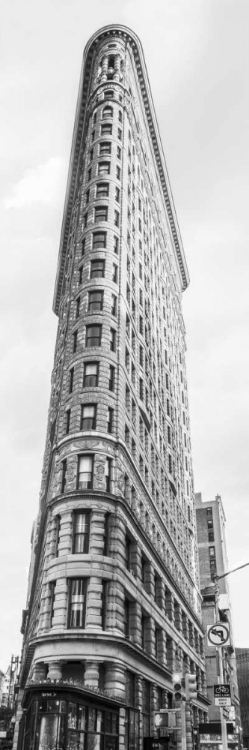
(80, 117)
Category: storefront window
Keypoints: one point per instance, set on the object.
(53, 724)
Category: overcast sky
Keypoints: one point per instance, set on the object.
(196, 53)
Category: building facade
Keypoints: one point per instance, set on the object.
(242, 662)
(216, 605)
(114, 606)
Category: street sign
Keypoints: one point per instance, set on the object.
(217, 634)
(222, 695)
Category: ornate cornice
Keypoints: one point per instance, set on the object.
(80, 118)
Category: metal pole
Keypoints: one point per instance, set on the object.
(183, 718)
(221, 677)
(222, 718)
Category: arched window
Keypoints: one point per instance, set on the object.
(107, 112)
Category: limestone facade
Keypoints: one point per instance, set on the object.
(114, 605)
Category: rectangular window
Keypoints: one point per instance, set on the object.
(77, 312)
(116, 218)
(115, 273)
(99, 240)
(85, 472)
(114, 305)
(104, 604)
(141, 389)
(81, 532)
(64, 475)
(108, 476)
(106, 129)
(118, 152)
(93, 136)
(91, 373)
(87, 196)
(89, 175)
(101, 214)
(107, 112)
(102, 190)
(80, 275)
(117, 195)
(128, 552)
(107, 530)
(97, 269)
(77, 602)
(71, 379)
(111, 378)
(93, 336)
(104, 167)
(110, 415)
(51, 603)
(68, 415)
(105, 148)
(119, 134)
(85, 220)
(118, 173)
(95, 301)
(127, 618)
(112, 340)
(88, 417)
(116, 245)
(75, 341)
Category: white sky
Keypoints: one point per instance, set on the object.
(197, 57)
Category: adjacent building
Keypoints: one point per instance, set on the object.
(114, 605)
(216, 605)
(242, 662)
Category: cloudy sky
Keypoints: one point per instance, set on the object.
(197, 58)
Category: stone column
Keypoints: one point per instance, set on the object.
(191, 634)
(115, 679)
(161, 646)
(104, 69)
(160, 593)
(60, 604)
(169, 605)
(65, 542)
(96, 545)
(148, 582)
(54, 670)
(178, 617)
(115, 606)
(185, 626)
(135, 559)
(94, 603)
(116, 68)
(91, 676)
(135, 623)
(39, 672)
(171, 648)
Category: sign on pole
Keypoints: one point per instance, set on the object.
(222, 695)
(217, 634)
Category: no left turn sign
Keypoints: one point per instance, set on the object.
(217, 634)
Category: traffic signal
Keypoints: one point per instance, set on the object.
(190, 686)
(165, 718)
(177, 686)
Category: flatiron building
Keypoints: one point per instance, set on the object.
(114, 606)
